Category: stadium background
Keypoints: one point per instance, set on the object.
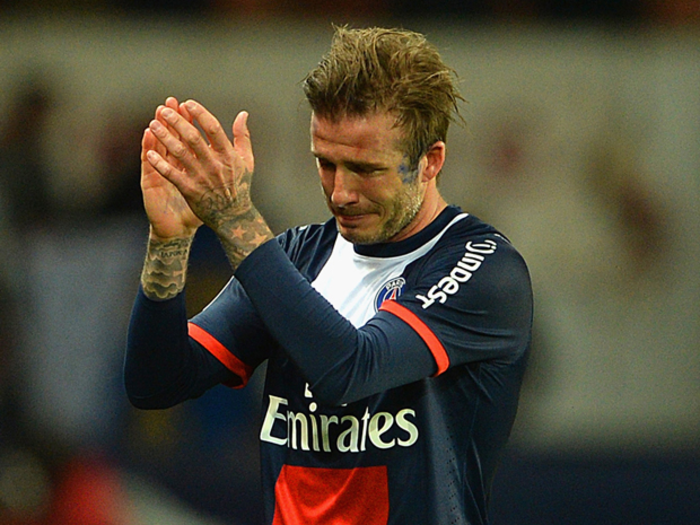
(582, 143)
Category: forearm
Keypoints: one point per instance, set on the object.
(341, 363)
(156, 353)
(242, 234)
(162, 366)
(165, 268)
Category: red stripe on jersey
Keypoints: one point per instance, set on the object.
(321, 496)
(434, 345)
(219, 351)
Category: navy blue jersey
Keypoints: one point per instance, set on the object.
(393, 370)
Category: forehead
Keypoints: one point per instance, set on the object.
(373, 134)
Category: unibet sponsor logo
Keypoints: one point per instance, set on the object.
(464, 269)
(329, 433)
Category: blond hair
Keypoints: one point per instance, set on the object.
(394, 70)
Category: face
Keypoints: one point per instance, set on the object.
(366, 178)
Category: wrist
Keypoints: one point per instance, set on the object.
(242, 235)
(165, 268)
(159, 239)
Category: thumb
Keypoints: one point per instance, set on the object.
(241, 140)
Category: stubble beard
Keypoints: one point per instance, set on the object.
(402, 213)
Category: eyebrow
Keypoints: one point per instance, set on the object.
(357, 166)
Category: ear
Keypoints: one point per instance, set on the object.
(435, 159)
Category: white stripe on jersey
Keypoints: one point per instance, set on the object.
(350, 281)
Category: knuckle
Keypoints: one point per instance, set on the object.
(179, 150)
(195, 140)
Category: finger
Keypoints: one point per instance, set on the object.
(163, 167)
(211, 127)
(159, 115)
(148, 142)
(241, 140)
(182, 108)
(172, 102)
(174, 150)
(159, 112)
(190, 136)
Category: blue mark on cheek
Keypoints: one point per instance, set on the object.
(408, 176)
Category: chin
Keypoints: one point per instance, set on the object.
(356, 236)
(363, 236)
(353, 236)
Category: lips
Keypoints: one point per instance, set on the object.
(349, 219)
(348, 213)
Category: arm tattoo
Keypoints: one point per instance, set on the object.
(165, 269)
(242, 234)
(237, 222)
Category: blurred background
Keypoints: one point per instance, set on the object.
(581, 143)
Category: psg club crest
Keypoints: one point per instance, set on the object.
(390, 290)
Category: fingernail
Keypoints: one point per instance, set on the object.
(190, 105)
(168, 114)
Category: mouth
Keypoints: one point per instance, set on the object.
(349, 220)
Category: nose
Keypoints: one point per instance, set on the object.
(344, 192)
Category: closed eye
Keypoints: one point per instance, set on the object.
(324, 164)
(364, 168)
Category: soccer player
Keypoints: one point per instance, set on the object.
(395, 334)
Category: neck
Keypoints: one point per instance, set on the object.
(433, 205)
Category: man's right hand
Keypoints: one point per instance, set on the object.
(169, 214)
(172, 221)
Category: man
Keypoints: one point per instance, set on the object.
(395, 334)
